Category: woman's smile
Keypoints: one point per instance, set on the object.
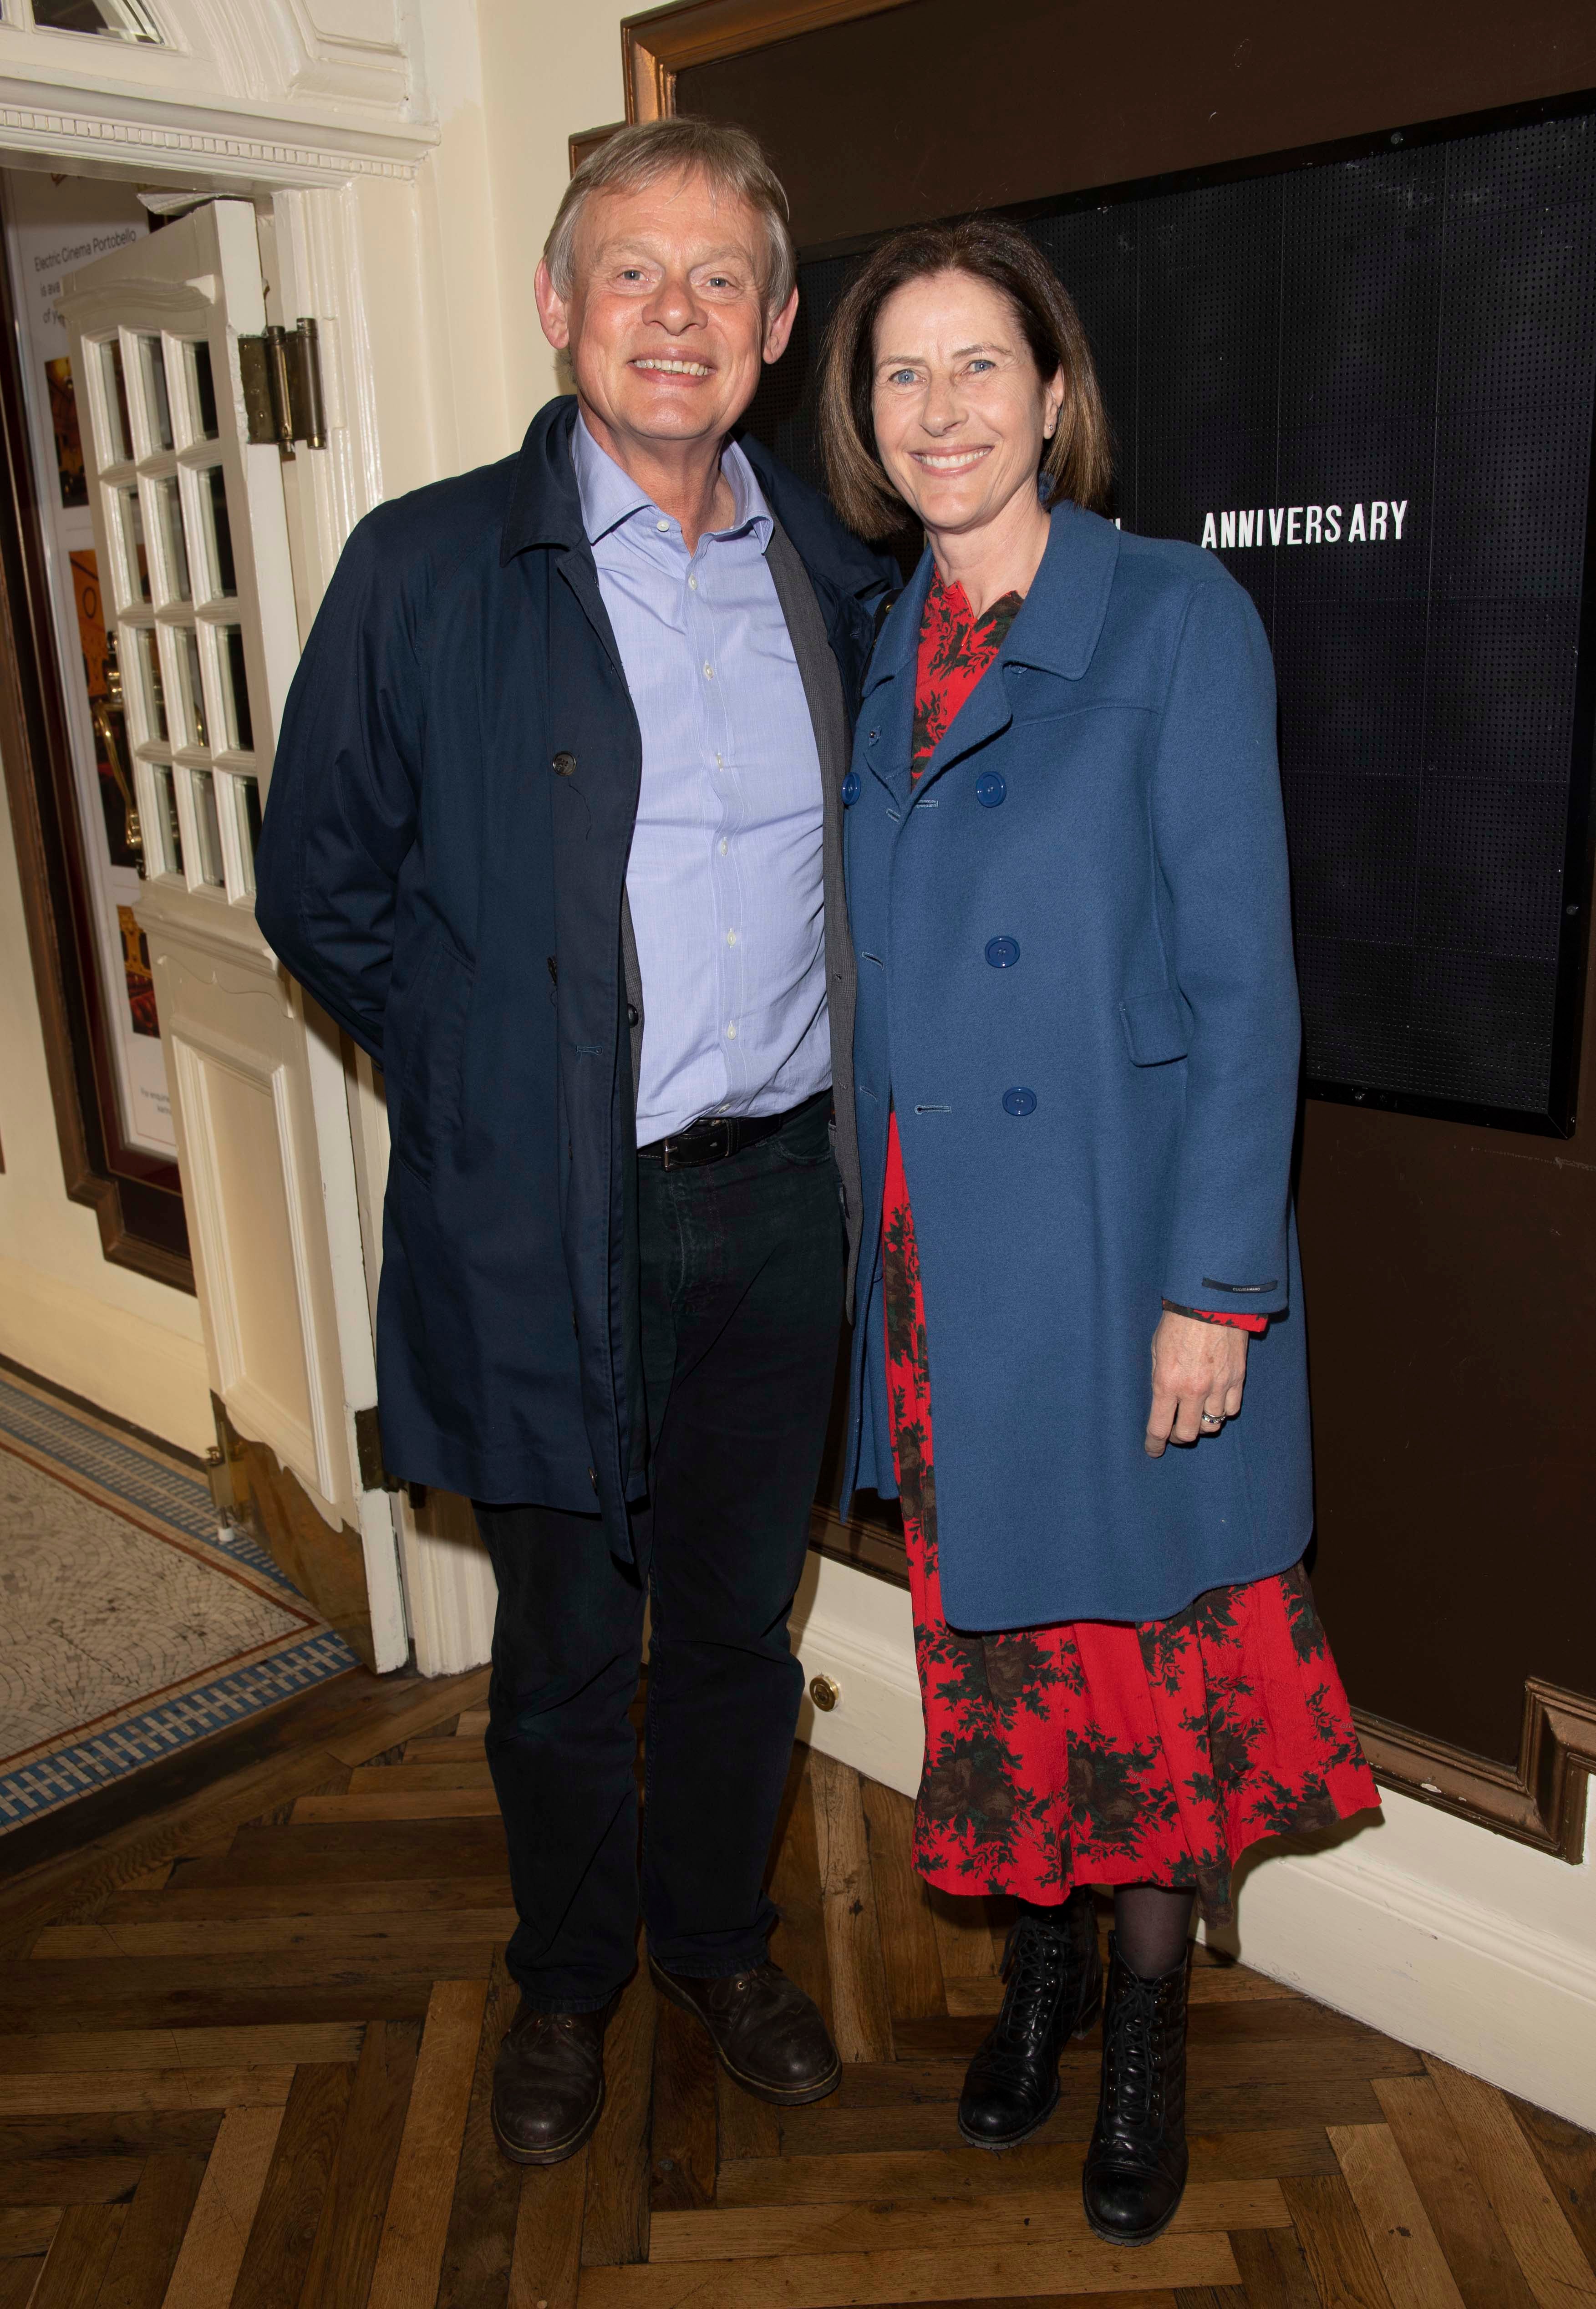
(951, 461)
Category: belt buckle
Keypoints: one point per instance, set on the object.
(719, 1140)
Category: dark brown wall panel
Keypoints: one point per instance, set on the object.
(933, 107)
(1450, 1271)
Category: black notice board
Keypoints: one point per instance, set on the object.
(1366, 379)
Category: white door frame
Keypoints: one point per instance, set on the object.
(322, 190)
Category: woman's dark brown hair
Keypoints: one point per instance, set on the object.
(1077, 463)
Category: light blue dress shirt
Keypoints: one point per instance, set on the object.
(725, 876)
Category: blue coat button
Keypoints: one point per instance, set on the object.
(990, 789)
(1019, 1100)
(851, 789)
(1003, 953)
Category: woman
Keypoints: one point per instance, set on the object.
(1076, 1056)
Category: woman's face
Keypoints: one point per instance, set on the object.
(961, 413)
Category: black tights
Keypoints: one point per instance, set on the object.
(1150, 1923)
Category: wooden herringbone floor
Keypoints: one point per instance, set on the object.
(246, 2055)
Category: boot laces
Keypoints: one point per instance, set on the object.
(1035, 1962)
(1132, 2056)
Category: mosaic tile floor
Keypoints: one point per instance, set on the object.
(129, 1625)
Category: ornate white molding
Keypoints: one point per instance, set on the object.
(233, 145)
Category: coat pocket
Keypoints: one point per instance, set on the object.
(1157, 1027)
(435, 1049)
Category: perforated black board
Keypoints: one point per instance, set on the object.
(1367, 380)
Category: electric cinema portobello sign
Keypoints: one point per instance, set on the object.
(1368, 382)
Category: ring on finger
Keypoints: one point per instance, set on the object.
(1213, 1419)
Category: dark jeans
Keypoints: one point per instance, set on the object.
(742, 1304)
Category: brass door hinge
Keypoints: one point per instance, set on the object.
(368, 1449)
(282, 387)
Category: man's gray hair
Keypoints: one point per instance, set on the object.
(729, 159)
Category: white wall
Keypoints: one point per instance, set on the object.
(103, 1331)
(539, 73)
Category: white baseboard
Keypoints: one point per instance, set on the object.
(856, 1630)
(139, 1371)
(1436, 1931)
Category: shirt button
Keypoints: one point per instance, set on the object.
(731, 1031)
(1003, 953)
(723, 845)
(851, 789)
(731, 937)
(991, 789)
(719, 764)
(709, 675)
(662, 524)
(692, 584)
(1019, 1100)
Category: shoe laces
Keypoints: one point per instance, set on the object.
(1035, 1962)
(1132, 2056)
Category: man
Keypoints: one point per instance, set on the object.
(555, 833)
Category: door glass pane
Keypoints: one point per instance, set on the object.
(213, 497)
(155, 700)
(168, 833)
(114, 20)
(202, 391)
(119, 447)
(208, 828)
(247, 794)
(135, 558)
(240, 727)
(168, 498)
(157, 402)
(193, 694)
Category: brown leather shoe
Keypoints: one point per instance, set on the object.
(548, 2084)
(768, 2035)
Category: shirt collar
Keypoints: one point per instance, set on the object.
(610, 496)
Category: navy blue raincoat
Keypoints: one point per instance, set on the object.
(1075, 984)
(443, 863)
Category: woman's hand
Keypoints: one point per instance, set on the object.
(1198, 1372)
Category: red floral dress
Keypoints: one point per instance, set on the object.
(1094, 1753)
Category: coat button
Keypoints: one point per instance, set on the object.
(593, 1477)
(991, 788)
(851, 789)
(1003, 953)
(1019, 1100)
(563, 765)
(633, 1014)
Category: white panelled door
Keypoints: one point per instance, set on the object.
(192, 542)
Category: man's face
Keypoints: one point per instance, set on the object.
(666, 322)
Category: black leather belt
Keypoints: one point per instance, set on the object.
(716, 1138)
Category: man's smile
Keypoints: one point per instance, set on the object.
(664, 365)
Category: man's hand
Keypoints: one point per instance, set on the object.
(1198, 1373)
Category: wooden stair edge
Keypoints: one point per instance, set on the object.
(37, 1895)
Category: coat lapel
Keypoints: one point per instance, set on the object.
(886, 714)
(1057, 631)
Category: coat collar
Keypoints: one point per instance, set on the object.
(546, 508)
(544, 504)
(1062, 620)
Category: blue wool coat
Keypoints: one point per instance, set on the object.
(1075, 985)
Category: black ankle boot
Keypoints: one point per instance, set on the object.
(1135, 2167)
(1055, 1990)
